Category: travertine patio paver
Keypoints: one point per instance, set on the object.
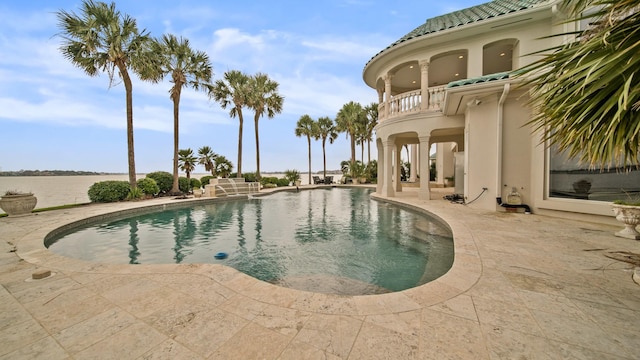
(522, 286)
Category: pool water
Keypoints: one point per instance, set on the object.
(335, 240)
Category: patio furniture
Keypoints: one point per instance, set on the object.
(328, 180)
(316, 180)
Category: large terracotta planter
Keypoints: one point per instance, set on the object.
(630, 216)
(19, 204)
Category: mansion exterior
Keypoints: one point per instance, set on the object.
(449, 83)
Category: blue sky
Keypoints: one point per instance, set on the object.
(54, 116)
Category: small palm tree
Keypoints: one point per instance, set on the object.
(263, 99)
(222, 166)
(188, 68)
(233, 92)
(326, 131)
(347, 121)
(206, 157)
(101, 39)
(306, 126)
(187, 163)
(585, 92)
(371, 113)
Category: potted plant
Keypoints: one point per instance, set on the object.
(358, 172)
(293, 176)
(17, 203)
(628, 213)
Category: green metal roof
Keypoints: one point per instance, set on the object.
(467, 16)
(480, 79)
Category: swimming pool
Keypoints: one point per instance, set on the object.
(334, 240)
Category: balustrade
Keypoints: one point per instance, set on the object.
(409, 102)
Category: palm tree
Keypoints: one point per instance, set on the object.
(347, 121)
(371, 113)
(233, 91)
(222, 166)
(187, 163)
(187, 68)
(326, 131)
(309, 128)
(585, 92)
(206, 157)
(263, 98)
(101, 39)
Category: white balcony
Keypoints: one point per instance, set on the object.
(412, 102)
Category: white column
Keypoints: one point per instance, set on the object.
(413, 170)
(387, 185)
(425, 192)
(387, 93)
(424, 84)
(398, 166)
(381, 165)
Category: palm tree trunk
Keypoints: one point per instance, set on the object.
(176, 108)
(309, 145)
(129, 98)
(353, 148)
(240, 143)
(257, 150)
(368, 151)
(324, 159)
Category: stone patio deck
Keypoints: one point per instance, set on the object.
(521, 287)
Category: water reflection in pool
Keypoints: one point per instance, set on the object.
(334, 240)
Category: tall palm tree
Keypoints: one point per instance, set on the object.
(101, 39)
(306, 126)
(263, 98)
(206, 157)
(187, 67)
(347, 122)
(222, 166)
(326, 131)
(233, 92)
(188, 163)
(371, 113)
(585, 92)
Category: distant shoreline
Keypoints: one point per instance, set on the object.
(54, 173)
(84, 173)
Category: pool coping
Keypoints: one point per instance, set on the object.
(464, 273)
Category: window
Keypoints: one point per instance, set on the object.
(568, 178)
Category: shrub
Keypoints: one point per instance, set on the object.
(163, 179)
(195, 184)
(205, 180)
(183, 184)
(109, 191)
(135, 194)
(270, 185)
(148, 186)
(291, 175)
(283, 182)
(268, 180)
(249, 177)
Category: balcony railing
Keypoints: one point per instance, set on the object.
(411, 102)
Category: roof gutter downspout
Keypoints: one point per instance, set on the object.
(503, 98)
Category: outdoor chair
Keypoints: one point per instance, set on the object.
(328, 180)
(316, 180)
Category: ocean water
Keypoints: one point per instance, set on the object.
(67, 190)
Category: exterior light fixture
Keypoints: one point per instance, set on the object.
(501, 54)
(461, 57)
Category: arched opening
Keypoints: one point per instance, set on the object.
(498, 56)
(447, 67)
